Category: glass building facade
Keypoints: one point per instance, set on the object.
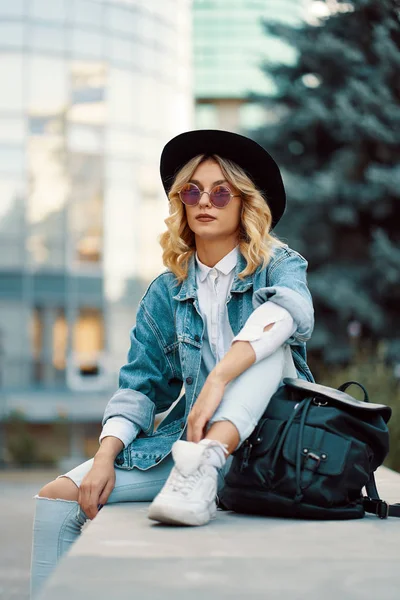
(230, 44)
(91, 91)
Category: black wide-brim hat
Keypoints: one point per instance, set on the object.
(250, 156)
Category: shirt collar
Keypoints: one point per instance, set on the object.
(225, 265)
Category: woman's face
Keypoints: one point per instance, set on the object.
(227, 220)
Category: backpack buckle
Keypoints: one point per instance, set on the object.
(314, 456)
(382, 509)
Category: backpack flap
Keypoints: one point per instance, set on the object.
(337, 397)
(321, 452)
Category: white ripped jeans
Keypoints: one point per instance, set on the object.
(58, 523)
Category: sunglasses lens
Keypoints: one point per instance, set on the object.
(220, 196)
(190, 194)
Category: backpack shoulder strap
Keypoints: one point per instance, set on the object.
(373, 503)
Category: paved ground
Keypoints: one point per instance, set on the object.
(255, 549)
(234, 557)
(16, 520)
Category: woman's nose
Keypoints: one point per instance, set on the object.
(204, 199)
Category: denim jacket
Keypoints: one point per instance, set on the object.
(166, 342)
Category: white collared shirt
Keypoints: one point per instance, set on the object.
(213, 287)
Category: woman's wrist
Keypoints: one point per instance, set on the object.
(238, 358)
(110, 447)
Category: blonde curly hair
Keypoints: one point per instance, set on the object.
(255, 238)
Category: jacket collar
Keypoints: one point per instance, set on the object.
(188, 288)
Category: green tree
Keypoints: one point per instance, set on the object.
(337, 140)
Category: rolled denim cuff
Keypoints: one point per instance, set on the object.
(296, 304)
(134, 406)
(121, 428)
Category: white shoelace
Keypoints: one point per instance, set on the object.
(177, 482)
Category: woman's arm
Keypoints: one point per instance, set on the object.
(287, 287)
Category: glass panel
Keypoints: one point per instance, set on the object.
(88, 80)
(88, 13)
(86, 209)
(12, 34)
(12, 160)
(88, 341)
(12, 217)
(12, 130)
(120, 170)
(51, 10)
(12, 8)
(60, 341)
(206, 116)
(45, 99)
(121, 50)
(11, 77)
(121, 19)
(121, 243)
(49, 338)
(120, 143)
(122, 98)
(46, 37)
(82, 138)
(86, 44)
(252, 115)
(48, 193)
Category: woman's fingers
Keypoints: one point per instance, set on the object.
(106, 492)
(198, 429)
(89, 499)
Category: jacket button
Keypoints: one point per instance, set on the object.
(197, 338)
(189, 380)
(182, 425)
(158, 458)
(119, 461)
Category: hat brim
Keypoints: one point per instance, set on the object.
(248, 154)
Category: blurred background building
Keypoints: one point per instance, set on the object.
(91, 91)
(230, 46)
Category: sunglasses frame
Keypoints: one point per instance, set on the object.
(201, 192)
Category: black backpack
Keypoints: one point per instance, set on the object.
(313, 451)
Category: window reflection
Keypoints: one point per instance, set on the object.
(88, 13)
(51, 10)
(121, 19)
(48, 193)
(12, 160)
(12, 130)
(122, 50)
(88, 341)
(123, 144)
(11, 34)
(86, 44)
(88, 81)
(16, 8)
(83, 138)
(47, 37)
(11, 77)
(12, 218)
(49, 340)
(123, 97)
(47, 86)
(86, 209)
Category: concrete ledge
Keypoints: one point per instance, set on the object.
(123, 553)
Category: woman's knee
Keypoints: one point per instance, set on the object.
(62, 488)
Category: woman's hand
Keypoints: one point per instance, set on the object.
(97, 485)
(205, 406)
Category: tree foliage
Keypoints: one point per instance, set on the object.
(337, 140)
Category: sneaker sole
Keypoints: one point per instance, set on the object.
(175, 515)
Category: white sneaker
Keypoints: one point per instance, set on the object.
(188, 496)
